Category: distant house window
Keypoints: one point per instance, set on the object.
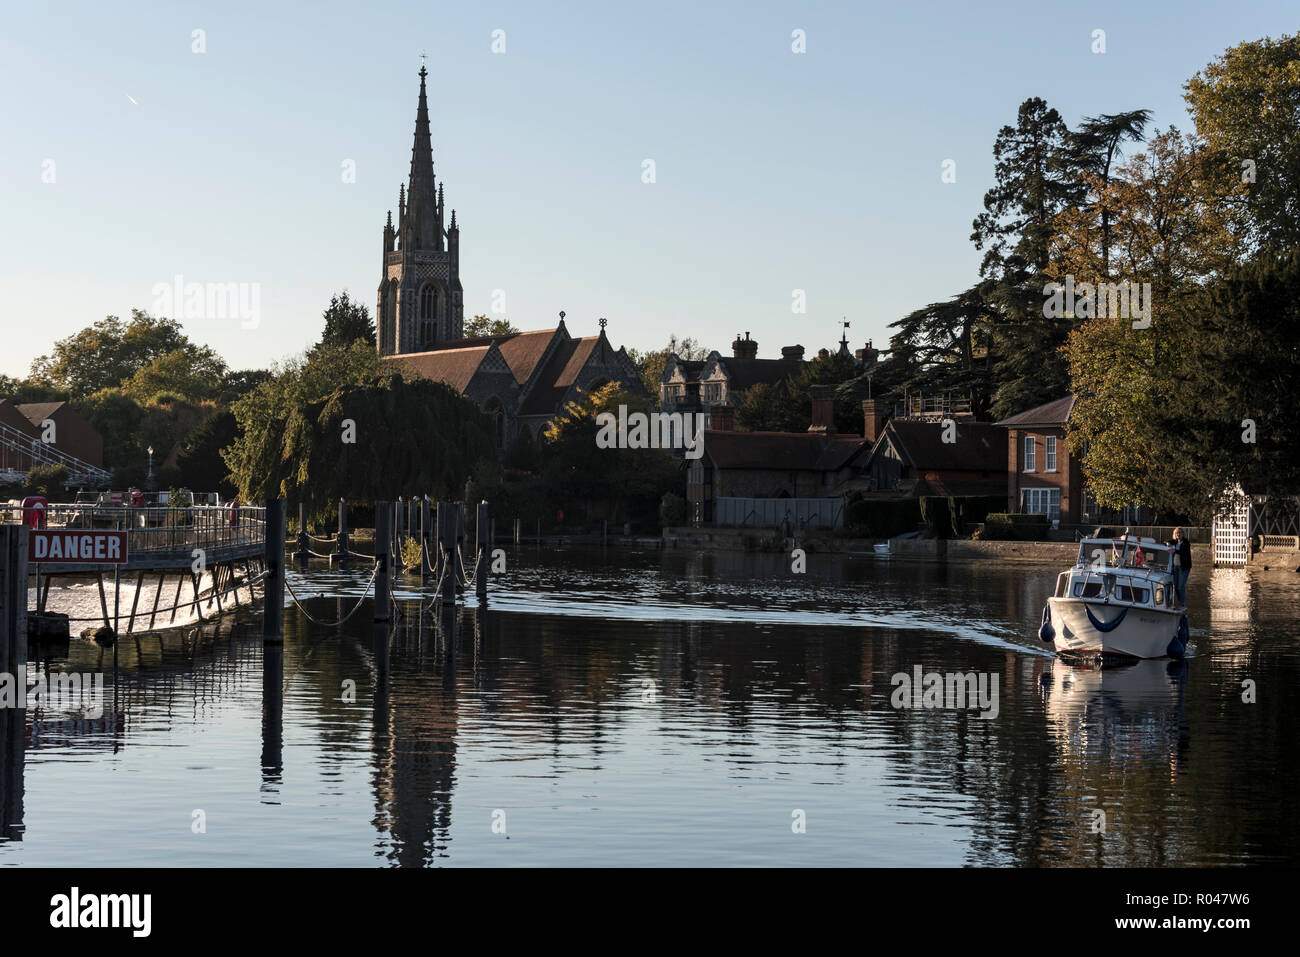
(1029, 453)
(1051, 453)
(713, 391)
(1041, 501)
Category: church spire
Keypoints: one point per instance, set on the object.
(421, 193)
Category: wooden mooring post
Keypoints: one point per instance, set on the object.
(425, 536)
(304, 546)
(447, 545)
(383, 561)
(518, 525)
(13, 606)
(273, 584)
(481, 525)
(341, 545)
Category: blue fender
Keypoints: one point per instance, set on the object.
(1101, 625)
(1045, 631)
(1178, 644)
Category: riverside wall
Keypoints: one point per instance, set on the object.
(921, 549)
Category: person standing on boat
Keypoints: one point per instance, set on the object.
(1182, 564)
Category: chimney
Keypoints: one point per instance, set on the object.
(745, 348)
(823, 409)
(792, 352)
(874, 418)
(722, 418)
(869, 355)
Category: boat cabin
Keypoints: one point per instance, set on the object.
(1127, 571)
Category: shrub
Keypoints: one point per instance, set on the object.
(1026, 528)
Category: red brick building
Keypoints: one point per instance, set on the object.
(1042, 476)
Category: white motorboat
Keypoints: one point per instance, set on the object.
(1118, 601)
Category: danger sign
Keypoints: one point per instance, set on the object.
(90, 548)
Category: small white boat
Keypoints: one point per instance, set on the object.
(881, 548)
(1118, 601)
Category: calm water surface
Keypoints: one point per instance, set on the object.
(670, 708)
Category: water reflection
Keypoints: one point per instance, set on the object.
(682, 728)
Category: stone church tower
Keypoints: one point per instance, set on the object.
(419, 290)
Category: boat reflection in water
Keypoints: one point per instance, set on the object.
(1104, 716)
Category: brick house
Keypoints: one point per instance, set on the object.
(911, 456)
(699, 385)
(771, 465)
(1043, 478)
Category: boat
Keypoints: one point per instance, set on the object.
(1118, 601)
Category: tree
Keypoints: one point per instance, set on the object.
(1134, 422)
(1246, 106)
(107, 353)
(200, 463)
(946, 347)
(191, 372)
(1233, 416)
(255, 457)
(769, 408)
(1035, 182)
(346, 322)
(481, 326)
(651, 365)
(1096, 145)
(615, 483)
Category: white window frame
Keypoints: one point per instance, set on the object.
(1041, 501)
(1049, 454)
(1029, 453)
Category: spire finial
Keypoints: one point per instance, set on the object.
(423, 71)
(561, 315)
(603, 323)
(453, 219)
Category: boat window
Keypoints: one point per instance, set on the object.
(1160, 594)
(1129, 593)
(1087, 589)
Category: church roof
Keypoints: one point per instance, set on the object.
(456, 367)
(560, 374)
(523, 351)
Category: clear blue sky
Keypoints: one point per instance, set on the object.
(775, 171)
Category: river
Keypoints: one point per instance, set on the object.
(667, 708)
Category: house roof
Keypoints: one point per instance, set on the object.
(456, 367)
(980, 446)
(745, 373)
(13, 417)
(1052, 414)
(38, 412)
(800, 451)
(691, 369)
